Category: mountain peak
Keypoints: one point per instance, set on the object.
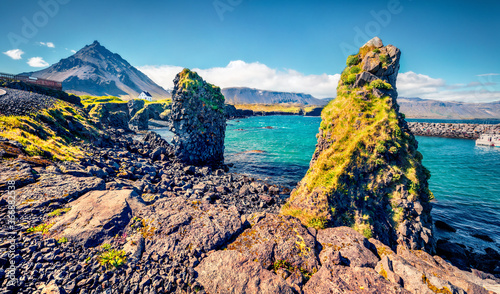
(95, 70)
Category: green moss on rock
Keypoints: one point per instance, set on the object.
(366, 162)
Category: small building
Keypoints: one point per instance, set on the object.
(146, 96)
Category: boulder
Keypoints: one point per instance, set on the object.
(114, 115)
(198, 120)
(139, 121)
(188, 225)
(375, 42)
(97, 216)
(56, 188)
(51, 288)
(16, 171)
(134, 106)
(344, 279)
(350, 244)
(419, 272)
(229, 271)
(278, 239)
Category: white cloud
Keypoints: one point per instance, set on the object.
(253, 75)
(14, 53)
(411, 84)
(73, 51)
(489, 74)
(48, 44)
(257, 75)
(37, 62)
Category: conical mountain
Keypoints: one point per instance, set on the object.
(94, 70)
(366, 172)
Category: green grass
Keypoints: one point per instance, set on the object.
(59, 211)
(48, 134)
(352, 60)
(100, 99)
(42, 228)
(111, 258)
(62, 240)
(379, 84)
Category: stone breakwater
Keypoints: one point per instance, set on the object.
(452, 130)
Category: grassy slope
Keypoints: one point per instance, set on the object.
(51, 133)
(367, 148)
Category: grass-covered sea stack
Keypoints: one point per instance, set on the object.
(366, 172)
(198, 120)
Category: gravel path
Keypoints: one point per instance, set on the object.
(18, 102)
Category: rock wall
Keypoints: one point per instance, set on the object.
(198, 120)
(366, 172)
(448, 130)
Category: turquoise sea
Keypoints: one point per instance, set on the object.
(464, 178)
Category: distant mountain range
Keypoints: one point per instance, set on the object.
(96, 71)
(433, 109)
(411, 107)
(242, 95)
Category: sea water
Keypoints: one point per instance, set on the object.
(465, 178)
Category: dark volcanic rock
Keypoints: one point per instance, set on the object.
(231, 272)
(114, 115)
(444, 226)
(278, 238)
(343, 279)
(198, 120)
(17, 172)
(139, 115)
(97, 216)
(191, 224)
(352, 245)
(56, 188)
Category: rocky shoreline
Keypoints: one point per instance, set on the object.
(195, 212)
(129, 216)
(151, 173)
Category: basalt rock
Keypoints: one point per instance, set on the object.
(139, 115)
(97, 216)
(198, 120)
(366, 172)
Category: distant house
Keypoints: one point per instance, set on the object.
(146, 96)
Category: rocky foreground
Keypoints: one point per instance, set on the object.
(185, 229)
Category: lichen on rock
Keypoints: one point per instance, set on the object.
(197, 120)
(366, 172)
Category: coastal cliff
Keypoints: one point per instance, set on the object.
(366, 172)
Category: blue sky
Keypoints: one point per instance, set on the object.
(449, 47)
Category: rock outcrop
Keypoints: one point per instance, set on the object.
(198, 120)
(113, 115)
(139, 115)
(366, 172)
(97, 216)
